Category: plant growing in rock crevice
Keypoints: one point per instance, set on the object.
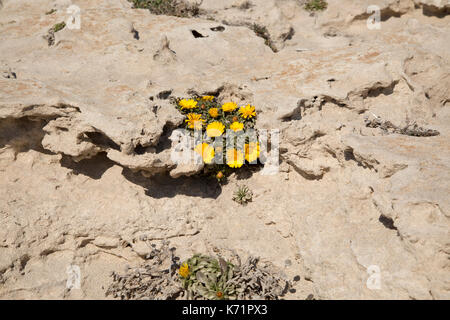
(59, 26)
(223, 133)
(209, 278)
(262, 32)
(50, 36)
(316, 5)
(198, 278)
(51, 11)
(410, 129)
(204, 277)
(178, 8)
(217, 279)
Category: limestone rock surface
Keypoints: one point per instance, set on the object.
(87, 131)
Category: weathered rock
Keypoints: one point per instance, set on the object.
(106, 242)
(89, 154)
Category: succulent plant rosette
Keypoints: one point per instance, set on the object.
(224, 135)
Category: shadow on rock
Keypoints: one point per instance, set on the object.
(93, 167)
(163, 186)
(247, 172)
(22, 134)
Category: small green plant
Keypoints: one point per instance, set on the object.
(243, 195)
(262, 32)
(50, 11)
(316, 5)
(177, 8)
(59, 26)
(50, 36)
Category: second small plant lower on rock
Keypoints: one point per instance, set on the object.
(243, 195)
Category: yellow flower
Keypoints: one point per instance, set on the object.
(206, 151)
(229, 106)
(237, 126)
(184, 270)
(188, 104)
(247, 112)
(194, 121)
(235, 158)
(215, 129)
(251, 151)
(214, 112)
(208, 98)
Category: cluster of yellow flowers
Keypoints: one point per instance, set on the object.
(206, 113)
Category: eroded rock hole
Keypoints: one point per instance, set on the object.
(197, 34)
(23, 261)
(9, 74)
(139, 149)
(348, 155)
(101, 139)
(23, 134)
(288, 35)
(163, 95)
(135, 33)
(389, 13)
(375, 92)
(296, 114)
(387, 222)
(218, 29)
(432, 11)
(164, 142)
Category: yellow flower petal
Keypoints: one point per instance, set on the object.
(235, 158)
(251, 151)
(206, 151)
(188, 104)
(247, 112)
(237, 126)
(214, 112)
(215, 129)
(194, 121)
(229, 106)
